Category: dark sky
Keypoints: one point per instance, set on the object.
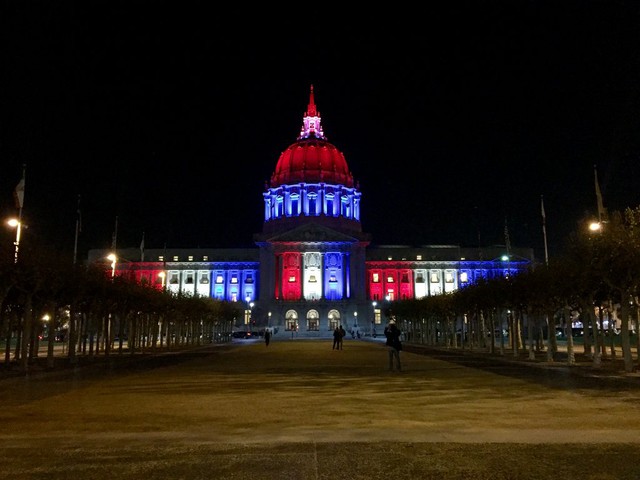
(452, 119)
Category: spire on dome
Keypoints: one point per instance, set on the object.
(311, 108)
(311, 122)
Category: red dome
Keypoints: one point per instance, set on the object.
(312, 160)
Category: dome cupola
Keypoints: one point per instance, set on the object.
(311, 159)
(311, 184)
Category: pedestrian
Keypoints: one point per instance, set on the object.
(394, 345)
(337, 336)
(267, 337)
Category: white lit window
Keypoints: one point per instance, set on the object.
(435, 278)
(219, 279)
(464, 278)
(448, 277)
(292, 279)
(375, 278)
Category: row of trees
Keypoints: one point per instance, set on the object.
(596, 278)
(97, 311)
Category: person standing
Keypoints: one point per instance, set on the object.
(336, 339)
(267, 337)
(394, 345)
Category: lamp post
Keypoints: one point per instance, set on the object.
(17, 224)
(112, 257)
(163, 277)
(373, 322)
(356, 328)
(269, 319)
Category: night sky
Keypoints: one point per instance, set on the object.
(452, 121)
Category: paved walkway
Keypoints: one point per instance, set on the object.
(299, 410)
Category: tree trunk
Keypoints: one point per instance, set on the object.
(568, 323)
(612, 333)
(26, 335)
(601, 344)
(625, 312)
(51, 337)
(592, 321)
(530, 328)
(552, 346)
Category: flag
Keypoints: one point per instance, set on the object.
(19, 193)
(142, 248)
(544, 216)
(601, 211)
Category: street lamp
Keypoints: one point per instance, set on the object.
(113, 258)
(269, 321)
(45, 319)
(373, 322)
(17, 224)
(162, 276)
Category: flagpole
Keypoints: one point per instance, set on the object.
(507, 243)
(78, 228)
(114, 239)
(600, 204)
(544, 230)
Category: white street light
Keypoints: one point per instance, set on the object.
(17, 224)
(113, 258)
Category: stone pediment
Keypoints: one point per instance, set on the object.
(312, 233)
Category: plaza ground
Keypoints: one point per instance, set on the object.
(299, 410)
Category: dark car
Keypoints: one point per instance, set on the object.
(242, 335)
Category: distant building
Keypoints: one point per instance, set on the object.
(313, 268)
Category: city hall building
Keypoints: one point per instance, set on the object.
(313, 267)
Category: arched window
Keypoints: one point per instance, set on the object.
(313, 321)
(334, 319)
(291, 320)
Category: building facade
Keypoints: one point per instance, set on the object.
(313, 268)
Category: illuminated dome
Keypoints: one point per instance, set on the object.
(312, 159)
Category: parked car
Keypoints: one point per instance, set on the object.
(242, 334)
